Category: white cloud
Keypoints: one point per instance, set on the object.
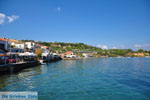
(8, 18)
(137, 46)
(58, 9)
(12, 18)
(102, 46)
(147, 45)
(2, 15)
(2, 18)
(114, 48)
(141, 45)
(99, 46)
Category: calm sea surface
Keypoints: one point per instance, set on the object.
(86, 79)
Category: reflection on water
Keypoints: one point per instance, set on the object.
(86, 79)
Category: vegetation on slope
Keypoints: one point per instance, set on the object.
(78, 48)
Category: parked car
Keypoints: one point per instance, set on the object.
(11, 60)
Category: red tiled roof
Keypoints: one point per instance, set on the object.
(67, 53)
(13, 40)
(2, 39)
(43, 46)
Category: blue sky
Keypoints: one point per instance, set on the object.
(103, 23)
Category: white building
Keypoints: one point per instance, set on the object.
(46, 53)
(68, 54)
(86, 55)
(13, 41)
(17, 50)
(20, 45)
(30, 45)
(17, 43)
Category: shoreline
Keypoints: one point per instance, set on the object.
(18, 67)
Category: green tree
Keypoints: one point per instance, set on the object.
(141, 50)
(38, 51)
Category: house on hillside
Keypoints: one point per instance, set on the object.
(68, 54)
(43, 47)
(86, 55)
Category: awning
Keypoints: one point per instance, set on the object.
(2, 55)
(27, 54)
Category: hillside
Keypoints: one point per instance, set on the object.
(78, 48)
(81, 47)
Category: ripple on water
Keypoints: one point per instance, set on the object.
(86, 79)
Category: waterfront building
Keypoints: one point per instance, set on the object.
(20, 45)
(13, 42)
(17, 43)
(31, 46)
(16, 50)
(46, 55)
(3, 53)
(46, 52)
(27, 56)
(4, 43)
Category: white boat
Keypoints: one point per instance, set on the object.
(42, 63)
(147, 56)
